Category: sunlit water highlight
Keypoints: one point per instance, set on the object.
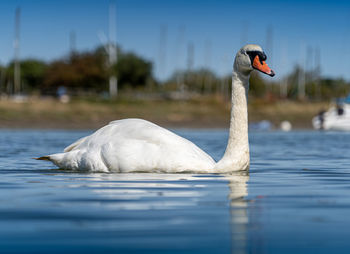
(296, 199)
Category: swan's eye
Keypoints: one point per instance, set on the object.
(253, 54)
(262, 56)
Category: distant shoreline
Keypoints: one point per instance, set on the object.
(205, 113)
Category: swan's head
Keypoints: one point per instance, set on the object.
(252, 57)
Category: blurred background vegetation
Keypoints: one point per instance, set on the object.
(188, 98)
(87, 74)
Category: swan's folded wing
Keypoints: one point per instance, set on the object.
(75, 144)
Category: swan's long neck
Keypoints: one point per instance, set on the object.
(236, 156)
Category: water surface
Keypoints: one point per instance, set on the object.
(295, 199)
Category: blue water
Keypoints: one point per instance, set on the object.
(296, 199)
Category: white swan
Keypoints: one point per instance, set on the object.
(136, 145)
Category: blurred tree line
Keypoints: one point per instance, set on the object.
(80, 73)
(84, 73)
(315, 88)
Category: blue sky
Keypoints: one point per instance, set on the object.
(217, 29)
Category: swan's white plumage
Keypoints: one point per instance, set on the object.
(134, 145)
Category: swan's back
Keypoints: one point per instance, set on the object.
(134, 145)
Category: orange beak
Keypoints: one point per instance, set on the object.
(264, 68)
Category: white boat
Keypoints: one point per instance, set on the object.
(336, 118)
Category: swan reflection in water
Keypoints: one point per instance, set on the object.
(239, 211)
(203, 207)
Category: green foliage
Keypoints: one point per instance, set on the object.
(257, 85)
(315, 88)
(132, 70)
(202, 81)
(32, 73)
(80, 72)
(88, 72)
(330, 88)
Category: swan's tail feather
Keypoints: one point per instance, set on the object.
(43, 158)
(54, 158)
(62, 160)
